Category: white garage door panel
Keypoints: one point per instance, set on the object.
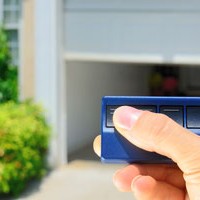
(159, 5)
(168, 34)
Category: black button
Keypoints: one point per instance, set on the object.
(174, 112)
(111, 109)
(193, 117)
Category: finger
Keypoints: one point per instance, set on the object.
(97, 145)
(158, 133)
(146, 188)
(165, 173)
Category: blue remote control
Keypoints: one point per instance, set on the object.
(116, 149)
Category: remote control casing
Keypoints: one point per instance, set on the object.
(116, 149)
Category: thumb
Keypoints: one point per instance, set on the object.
(158, 133)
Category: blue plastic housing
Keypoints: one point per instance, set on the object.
(116, 149)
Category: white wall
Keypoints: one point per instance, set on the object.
(49, 80)
(86, 84)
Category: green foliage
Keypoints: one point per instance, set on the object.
(8, 73)
(24, 136)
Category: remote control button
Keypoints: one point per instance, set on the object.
(174, 112)
(111, 109)
(109, 115)
(149, 108)
(193, 116)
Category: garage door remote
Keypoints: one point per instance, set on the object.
(116, 149)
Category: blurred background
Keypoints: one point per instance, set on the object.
(70, 53)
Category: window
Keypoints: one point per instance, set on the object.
(14, 45)
(11, 16)
(11, 11)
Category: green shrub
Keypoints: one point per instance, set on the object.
(24, 138)
(8, 73)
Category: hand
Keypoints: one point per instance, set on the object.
(158, 133)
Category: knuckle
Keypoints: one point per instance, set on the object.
(161, 127)
(157, 126)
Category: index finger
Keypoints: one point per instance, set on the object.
(169, 174)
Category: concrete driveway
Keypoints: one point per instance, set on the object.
(80, 180)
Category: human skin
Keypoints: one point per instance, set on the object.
(158, 133)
